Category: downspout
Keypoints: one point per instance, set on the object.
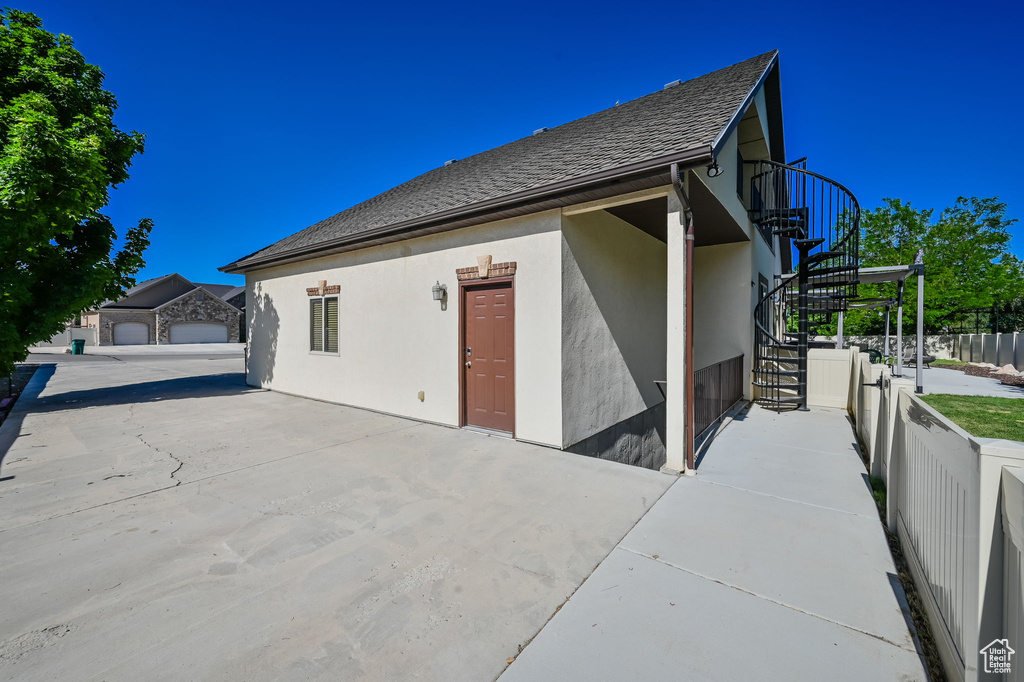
(677, 182)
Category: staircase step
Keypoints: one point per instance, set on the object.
(779, 401)
(832, 270)
(788, 399)
(779, 220)
(810, 243)
(791, 346)
(823, 283)
(792, 295)
(789, 231)
(779, 372)
(784, 212)
(822, 255)
(791, 387)
(826, 285)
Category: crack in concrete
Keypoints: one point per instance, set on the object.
(131, 415)
(767, 599)
(206, 478)
(870, 517)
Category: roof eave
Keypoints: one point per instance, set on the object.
(694, 156)
(150, 285)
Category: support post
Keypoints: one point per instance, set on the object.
(899, 329)
(839, 334)
(675, 361)
(885, 351)
(920, 322)
(803, 325)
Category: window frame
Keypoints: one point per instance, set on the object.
(741, 189)
(324, 324)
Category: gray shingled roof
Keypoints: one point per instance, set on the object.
(219, 290)
(686, 116)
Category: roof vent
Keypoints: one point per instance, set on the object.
(450, 162)
(669, 85)
(538, 131)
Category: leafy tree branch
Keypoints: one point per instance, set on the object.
(60, 154)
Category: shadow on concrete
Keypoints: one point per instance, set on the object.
(11, 428)
(737, 413)
(177, 388)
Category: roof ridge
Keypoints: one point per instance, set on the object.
(654, 93)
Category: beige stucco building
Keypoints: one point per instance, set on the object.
(570, 313)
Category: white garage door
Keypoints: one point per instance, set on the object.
(131, 334)
(199, 332)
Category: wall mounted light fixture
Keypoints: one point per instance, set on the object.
(439, 291)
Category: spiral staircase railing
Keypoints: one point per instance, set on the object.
(818, 220)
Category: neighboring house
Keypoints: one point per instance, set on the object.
(169, 309)
(560, 265)
(236, 297)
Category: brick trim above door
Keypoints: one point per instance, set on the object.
(495, 270)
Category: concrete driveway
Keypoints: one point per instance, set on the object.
(160, 520)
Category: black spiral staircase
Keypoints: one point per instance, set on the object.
(817, 221)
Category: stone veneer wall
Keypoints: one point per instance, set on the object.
(108, 318)
(197, 306)
(238, 300)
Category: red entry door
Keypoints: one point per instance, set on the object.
(488, 356)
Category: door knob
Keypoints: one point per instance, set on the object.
(469, 364)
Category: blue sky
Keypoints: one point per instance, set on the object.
(264, 118)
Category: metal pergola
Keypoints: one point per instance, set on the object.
(898, 274)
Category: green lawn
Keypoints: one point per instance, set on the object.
(956, 363)
(982, 416)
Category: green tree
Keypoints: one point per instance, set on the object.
(60, 153)
(968, 263)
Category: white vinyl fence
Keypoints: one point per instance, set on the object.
(1013, 551)
(64, 338)
(957, 504)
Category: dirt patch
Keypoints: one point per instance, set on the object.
(11, 390)
(1011, 380)
(975, 371)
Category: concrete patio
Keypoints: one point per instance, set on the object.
(770, 564)
(163, 521)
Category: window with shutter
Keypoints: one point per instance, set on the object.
(331, 325)
(316, 324)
